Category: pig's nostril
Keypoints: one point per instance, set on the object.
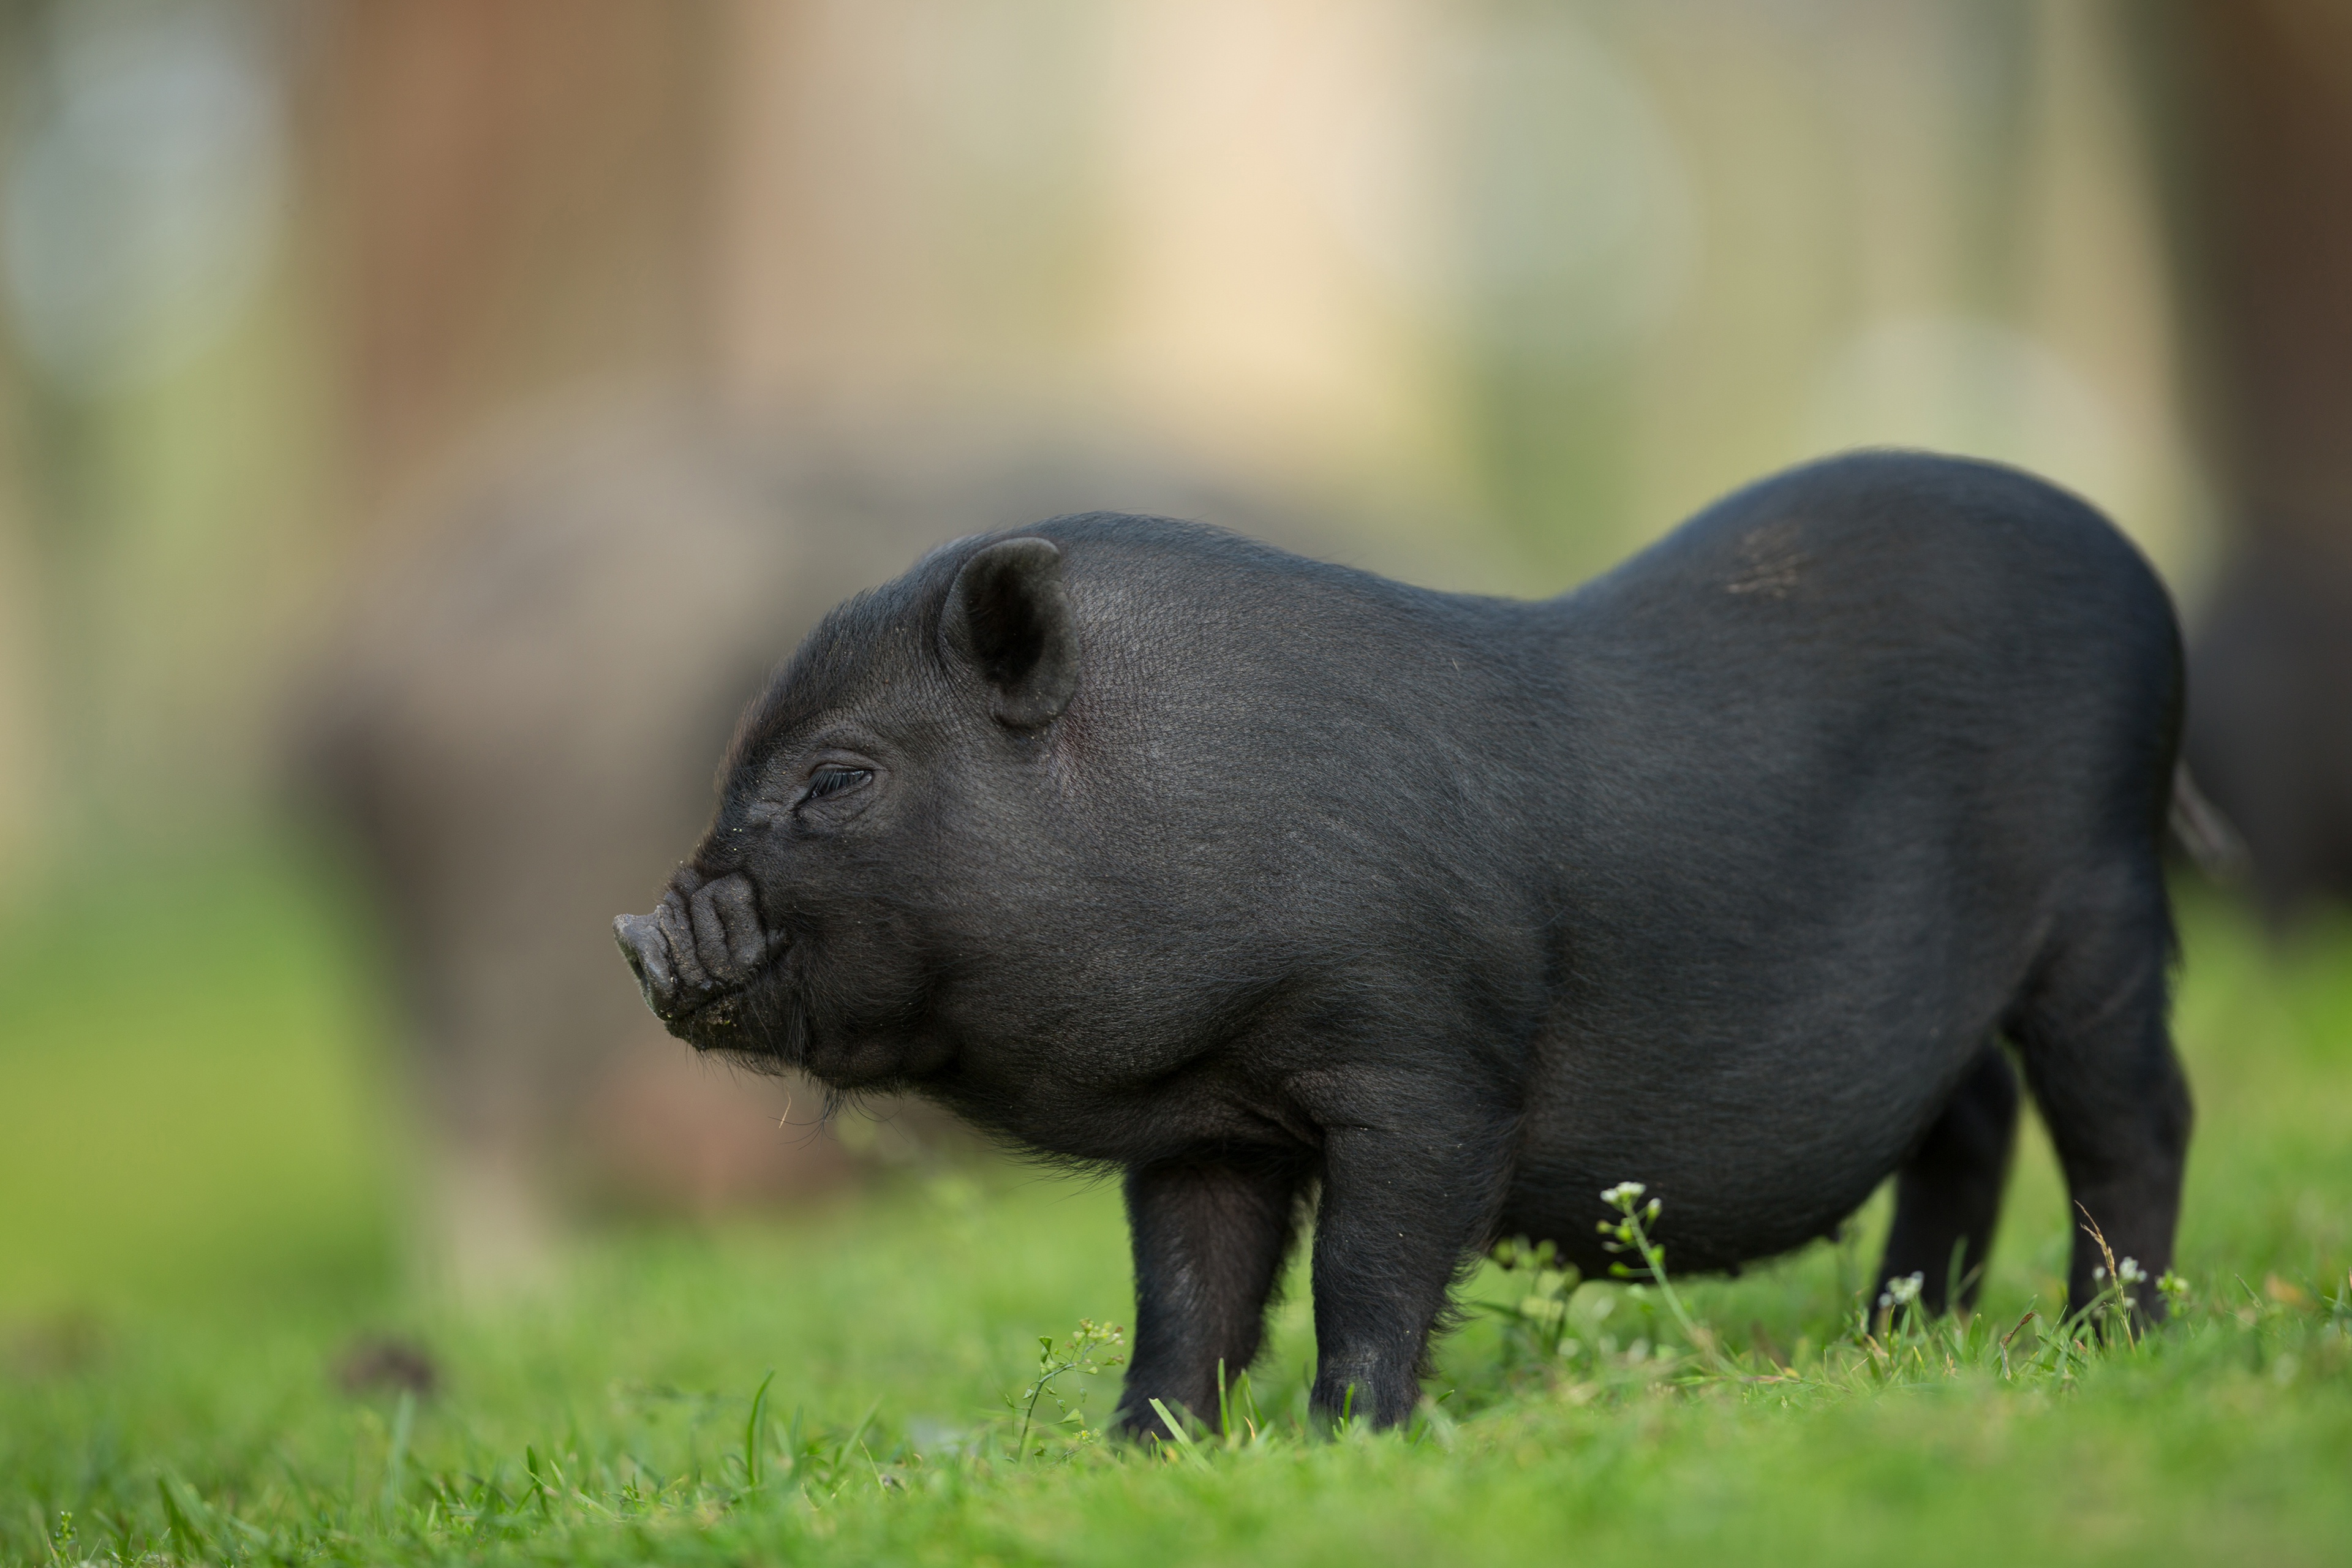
(641, 942)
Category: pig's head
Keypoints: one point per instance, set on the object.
(878, 832)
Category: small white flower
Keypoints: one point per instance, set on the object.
(1902, 1292)
(1622, 1195)
(2129, 1272)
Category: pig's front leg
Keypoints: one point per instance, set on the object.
(1209, 1238)
(1401, 1208)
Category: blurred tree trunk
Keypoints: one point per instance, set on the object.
(2269, 102)
(2262, 92)
(511, 196)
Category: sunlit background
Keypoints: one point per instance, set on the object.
(421, 422)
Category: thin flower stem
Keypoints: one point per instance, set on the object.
(1625, 1198)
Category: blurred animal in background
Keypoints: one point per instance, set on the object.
(2270, 720)
(514, 729)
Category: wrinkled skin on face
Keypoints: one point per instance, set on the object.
(1273, 884)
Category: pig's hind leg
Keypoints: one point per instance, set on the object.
(1948, 1193)
(1209, 1237)
(2091, 1035)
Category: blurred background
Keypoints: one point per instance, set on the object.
(423, 422)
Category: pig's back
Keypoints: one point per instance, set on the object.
(1836, 755)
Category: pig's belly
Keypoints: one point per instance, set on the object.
(1751, 1154)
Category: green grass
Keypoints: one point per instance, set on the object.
(192, 1101)
(197, 1183)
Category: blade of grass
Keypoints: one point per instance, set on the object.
(395, 1461)
(753, 1425)
(1185, 1445)
(187, 1540)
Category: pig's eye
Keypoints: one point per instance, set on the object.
(833, 781)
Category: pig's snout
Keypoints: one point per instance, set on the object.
(704, 941)
(648, 955)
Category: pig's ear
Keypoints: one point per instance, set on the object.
(1009, 618)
